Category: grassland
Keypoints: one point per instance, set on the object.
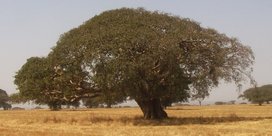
(188, 120)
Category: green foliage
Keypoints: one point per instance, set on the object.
(32, 80)
(17, 98)
(258, 94)
(36, 82)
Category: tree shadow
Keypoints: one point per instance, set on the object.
(175, 121)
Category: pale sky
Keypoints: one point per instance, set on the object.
(31, 27)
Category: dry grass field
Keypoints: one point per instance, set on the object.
(188, 120)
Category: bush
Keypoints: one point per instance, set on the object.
(219, 103)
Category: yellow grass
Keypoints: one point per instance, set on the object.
(188, 120)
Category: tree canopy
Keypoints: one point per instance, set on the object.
(146, 56)
(258, 94)
(4, 98)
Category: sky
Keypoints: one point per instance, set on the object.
(32, 27)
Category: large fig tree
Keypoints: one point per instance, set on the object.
(147, 56)
(151, 56)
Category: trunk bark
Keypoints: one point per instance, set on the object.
(152, 109)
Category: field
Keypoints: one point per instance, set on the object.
(186, 120)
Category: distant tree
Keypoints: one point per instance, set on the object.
(220, 103)
(4, 98)
(258, 94)
(199, 96)
(199, 99)
(147, 56)
(268, 92)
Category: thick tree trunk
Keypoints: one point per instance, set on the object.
(152, 109)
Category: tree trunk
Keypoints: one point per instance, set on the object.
(6, 106)
(54, 106)
(152, 109)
